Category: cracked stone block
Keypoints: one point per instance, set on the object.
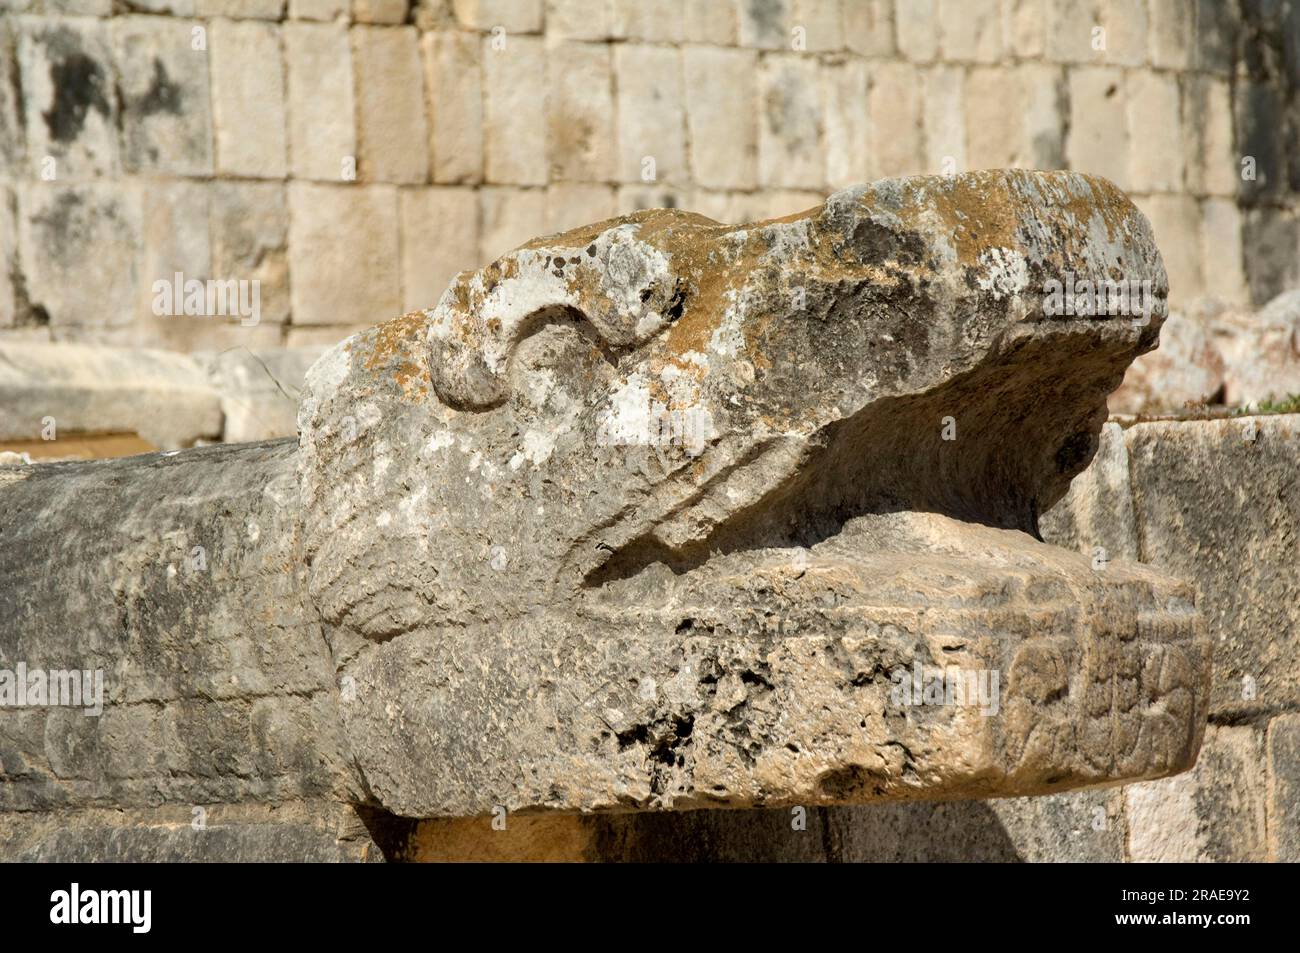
(1283, 741)
(67, 75)
(163, 83)
(312, 832)
(1081, 826)
(79, 246)
(259, 390)
(183, 703)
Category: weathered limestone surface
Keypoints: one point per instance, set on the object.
(303, 832)
(160, 395)
(51, 395)
(259, 390)
(715, 624)
(1212, 502)
(1234, 538)
(1096, 516)
(175, 574)
(644, 515)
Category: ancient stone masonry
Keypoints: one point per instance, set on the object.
(652, 515)
(236, 139)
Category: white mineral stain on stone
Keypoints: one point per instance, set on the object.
(411, 501)
(538, 446)
(538, 386)
(631, 266)
(1005, 271)
(728, 338)
(440, 441)
(627, 418)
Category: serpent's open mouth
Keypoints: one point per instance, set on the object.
(947, 455)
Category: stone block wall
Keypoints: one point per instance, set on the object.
(1214, 502)
(351, 155)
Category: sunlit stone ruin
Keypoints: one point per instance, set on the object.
(763, 430)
